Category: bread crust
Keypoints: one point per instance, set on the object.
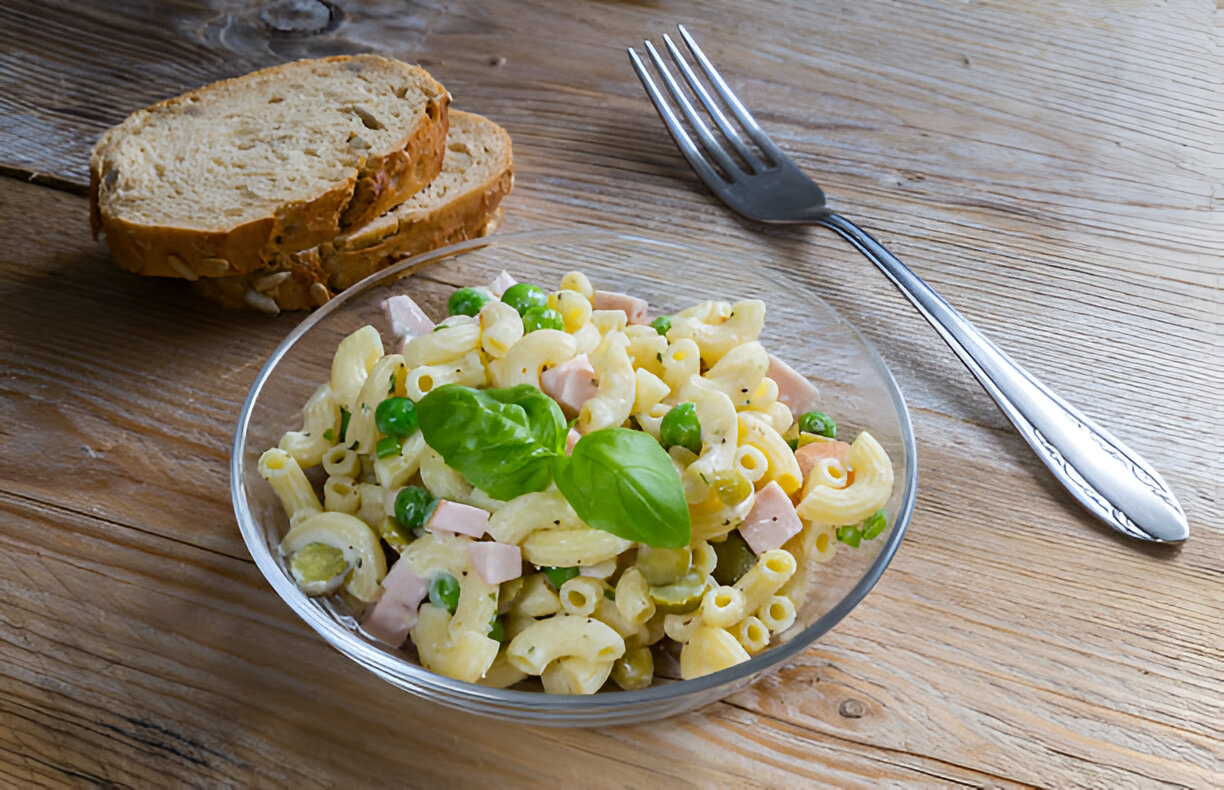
(314, 276)
(300, 281)
(349, 260)
(383, 181)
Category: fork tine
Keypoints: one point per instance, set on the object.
(754, 163)
(690, 113)
(687, 147)
(737, 108)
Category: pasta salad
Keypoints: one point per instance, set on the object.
(552, 484)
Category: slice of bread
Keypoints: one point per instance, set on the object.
(226, 178)
(461, 203)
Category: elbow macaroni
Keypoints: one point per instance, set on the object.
(575, 633)
(873, 483)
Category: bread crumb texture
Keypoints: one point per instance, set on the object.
(461, 203)
(291, 150)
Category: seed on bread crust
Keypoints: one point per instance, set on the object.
(270, 281)
(261, 302)
(214, 267)
(180, 266)
(319, 294)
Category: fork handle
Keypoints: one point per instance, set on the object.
(1106, 476)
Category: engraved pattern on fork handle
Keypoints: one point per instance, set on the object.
(1105, 476)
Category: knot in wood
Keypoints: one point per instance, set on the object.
(300, 18)
(852, 709)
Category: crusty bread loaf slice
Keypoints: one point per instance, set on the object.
(226, 178)
(461, 203)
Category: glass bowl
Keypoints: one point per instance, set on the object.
(857, 390)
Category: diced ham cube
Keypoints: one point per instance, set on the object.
(799, 394)
(406, 317)
(571, 439)
(459, 519)
(501, 282)
(810, 454)
(772, 520)
(634, 307)
(571, 384)
(395, 613)
(496, 562)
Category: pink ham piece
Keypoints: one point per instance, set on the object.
(571, 439)
(459, 519)
(810, 454)
(772, 520)
(496, 562)
(501, 282)
(395, 613)
(799, 394)
(406, 317)
(571, 384)
(634, 307)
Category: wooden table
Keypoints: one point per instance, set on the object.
(1053, 169)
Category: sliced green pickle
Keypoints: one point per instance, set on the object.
(734, 559)
(318, 569)
(663, 566)
(635, 669)
(683, 595)
(732, 487)
(394, 535)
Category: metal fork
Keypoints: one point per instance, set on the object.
(1108, 478)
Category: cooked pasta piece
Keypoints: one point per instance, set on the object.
(870, 490)
(320, 422)
(352, 362)
(289, 482)
(617, 384)
(563, 636)
(526, 358)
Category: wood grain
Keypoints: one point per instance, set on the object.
(1053, 170)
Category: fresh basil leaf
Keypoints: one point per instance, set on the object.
(501, 441)
(621, 481)
(544, 416)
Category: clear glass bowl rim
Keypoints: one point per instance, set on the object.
(410, 675)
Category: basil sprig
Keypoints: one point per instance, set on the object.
(501, 440)
(511, 441)
(623, 482)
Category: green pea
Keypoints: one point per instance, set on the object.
(444, 591)
(524, 296)
(542, 317)
(467, 301)
(413, 506)
(662, 325)
(497, 630)
(850, 535)
(680, 426)
(819, 423)
(559, 576)
(874, 524)
(396, 417)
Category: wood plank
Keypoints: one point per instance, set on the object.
(1052, 170)
(171, 490)
(133, 659)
